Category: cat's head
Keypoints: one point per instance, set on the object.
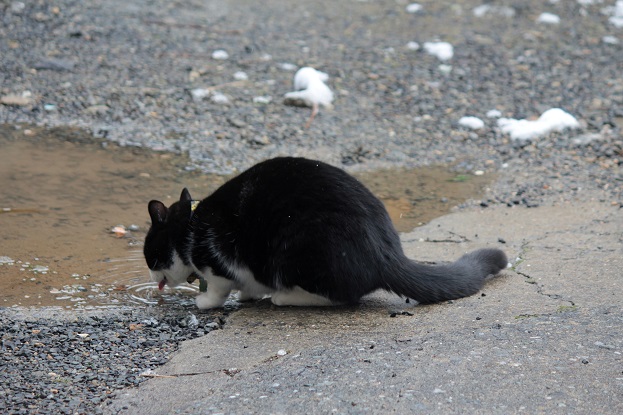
(166, 241)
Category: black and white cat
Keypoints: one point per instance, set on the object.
(302, 231)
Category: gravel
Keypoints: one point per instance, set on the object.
(60, 362)
(125, 71)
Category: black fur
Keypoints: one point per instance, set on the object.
(298, 222)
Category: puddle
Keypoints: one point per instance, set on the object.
(62, 195)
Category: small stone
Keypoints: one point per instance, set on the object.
(54, 65)
(238, 123)
(119, 231)
(97, 109)
(15, 100)
(263, 140)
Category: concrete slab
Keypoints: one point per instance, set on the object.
(544, 337)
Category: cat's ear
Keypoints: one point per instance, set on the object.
(157, 211)
(185, 196)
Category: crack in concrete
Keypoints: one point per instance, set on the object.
(521, 257)
(461, 237)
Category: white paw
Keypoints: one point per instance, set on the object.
(299, 297)
(208, 300)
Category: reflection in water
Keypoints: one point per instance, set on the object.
(147, 293)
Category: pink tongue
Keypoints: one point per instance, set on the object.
(161, 284)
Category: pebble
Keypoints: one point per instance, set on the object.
(97, 109)
(15, 100)
(54, 65)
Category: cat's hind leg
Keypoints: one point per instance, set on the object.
(299, 297)
(217, 293)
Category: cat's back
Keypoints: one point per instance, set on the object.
(302, 183)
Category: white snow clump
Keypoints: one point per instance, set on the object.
(442, 50)
(473, 123)
(553, 119)
(548, 18)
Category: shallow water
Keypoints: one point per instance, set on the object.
(62, 195)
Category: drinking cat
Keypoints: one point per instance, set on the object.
(305, 233)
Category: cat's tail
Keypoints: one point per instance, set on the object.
(433, 283)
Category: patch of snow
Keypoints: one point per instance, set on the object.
(553, 119)
(220, 55)
(548, 18)
(470, 122)
(445, 69)
(616, 13)
(585, 139)
(6, 260)
(414, 8)
(493, 114)
(493, 10)
(219, 98)
(241, 76)
(610, 40)
(413, 46)
(588, 2)
(442, 50)
(287, 66)
(199, 93)
(263, 99)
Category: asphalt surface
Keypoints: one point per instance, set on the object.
(544, 338)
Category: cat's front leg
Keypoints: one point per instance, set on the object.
(217, 293)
